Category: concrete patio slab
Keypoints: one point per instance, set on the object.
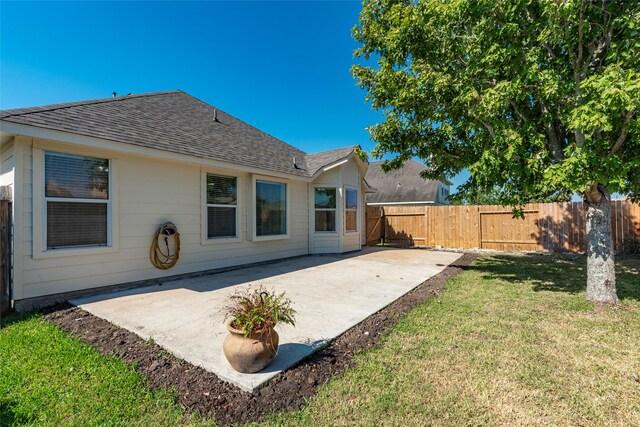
(331, 294)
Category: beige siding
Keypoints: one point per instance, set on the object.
(325, 243)
(351, 178)
(149, 192)
(346, 175)
(21, 210)
(350, 173)
(328, 178)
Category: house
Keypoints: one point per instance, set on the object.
(93, 181)
(404, 187)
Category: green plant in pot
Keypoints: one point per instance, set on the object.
(251, 317)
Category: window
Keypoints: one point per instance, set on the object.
(351, 209)
(77, 201)
(271, 208)
(325, 209)
(222, 206)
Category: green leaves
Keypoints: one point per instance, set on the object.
(537, 99)
(604, 98)
(252, 310)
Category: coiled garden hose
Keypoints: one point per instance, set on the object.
(161, 258)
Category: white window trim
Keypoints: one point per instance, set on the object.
(313, 196)
(252, 214)
(205, 240)
(39, 243)
(357, 209)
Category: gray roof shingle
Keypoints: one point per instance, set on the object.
(173, 121)
(324, 158)
(400, 186)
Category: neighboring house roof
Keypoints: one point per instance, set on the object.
(177, 122)
(400, 186)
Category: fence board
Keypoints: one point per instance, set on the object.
(558, 227)
(375, 224)
(404, 226)
(5, 245)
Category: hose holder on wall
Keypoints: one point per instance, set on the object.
(161, 254)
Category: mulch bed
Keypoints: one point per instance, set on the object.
(202, 391)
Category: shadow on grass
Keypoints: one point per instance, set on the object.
(8, 416)
(559, 273)
(16, 318)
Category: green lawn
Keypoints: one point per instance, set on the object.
(512, 341)
(47, 378)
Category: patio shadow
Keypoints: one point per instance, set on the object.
(288, 352)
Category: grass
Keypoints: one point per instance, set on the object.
(511, 342)
(50, 379)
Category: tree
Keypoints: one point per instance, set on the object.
(495, 196)
(537, 98)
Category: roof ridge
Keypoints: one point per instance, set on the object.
(409, 160)
(350, 147)
(53, 107)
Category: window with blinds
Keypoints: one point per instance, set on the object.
(325, 209)
(77, 200)
(222, 205)
(351, 209)
(271, 208)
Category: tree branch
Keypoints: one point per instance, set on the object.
(576, 65)
(594, 194)
(490, 129)
(580, 70)
(593, 53)
(580, 48)
(551, 52)
(552, 135)
(515, 108)
(623, 133)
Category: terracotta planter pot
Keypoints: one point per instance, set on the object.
(252, 353)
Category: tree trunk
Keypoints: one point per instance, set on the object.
(601, 274)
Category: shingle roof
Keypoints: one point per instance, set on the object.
(324, 158)
(172, 121)
(400, 186)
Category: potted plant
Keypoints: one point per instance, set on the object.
(250, 317)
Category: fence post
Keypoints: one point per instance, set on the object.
(382, 224)
(5, 250)
(426, 226)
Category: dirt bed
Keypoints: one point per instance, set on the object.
(202, 391)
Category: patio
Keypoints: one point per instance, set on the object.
(330, 293)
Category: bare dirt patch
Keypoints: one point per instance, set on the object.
(202, 391)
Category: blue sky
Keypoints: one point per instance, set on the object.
(284, 67)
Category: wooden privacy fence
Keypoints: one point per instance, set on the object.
(375, 224)
(555, 227)
(5, 250)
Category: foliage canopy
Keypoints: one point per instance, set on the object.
(536, 98)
